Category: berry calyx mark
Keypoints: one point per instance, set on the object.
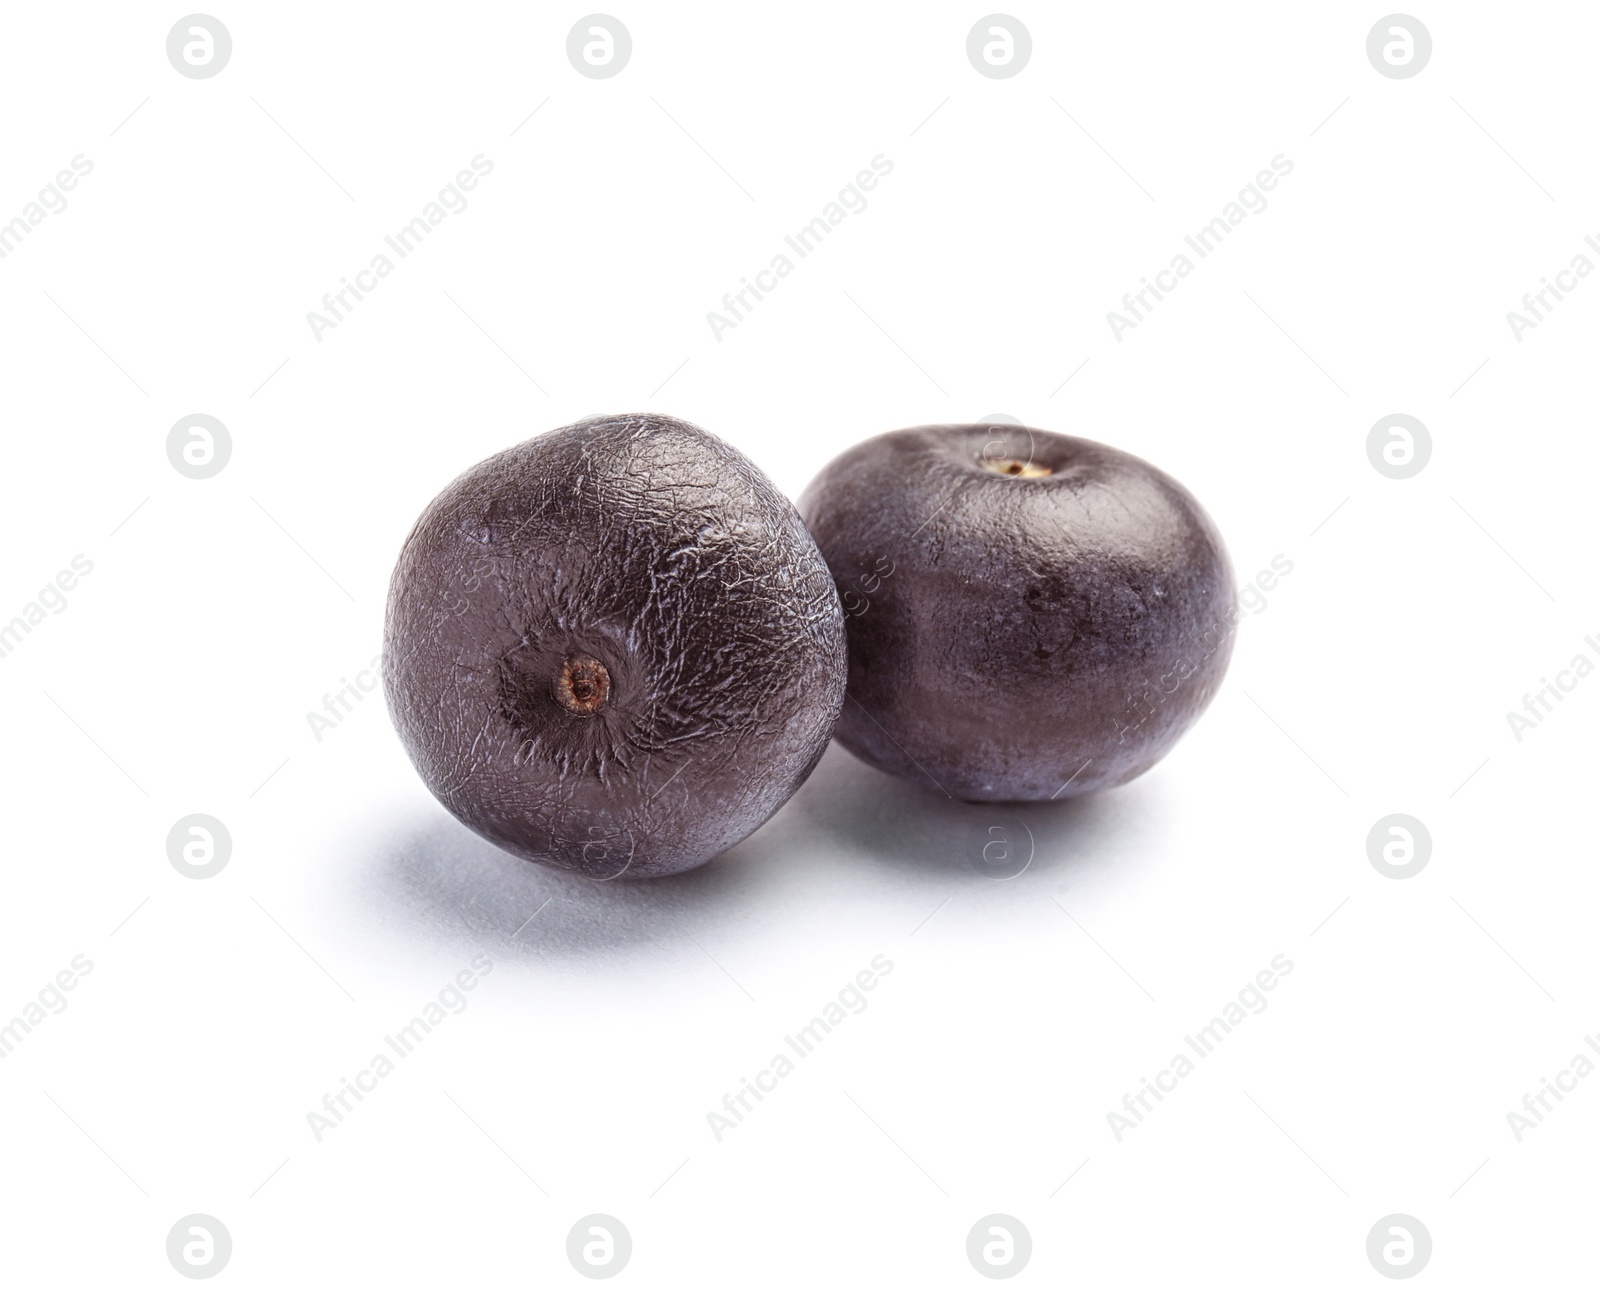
(1015, 468)
(583, 685)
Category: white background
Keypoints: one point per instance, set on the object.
(1376, 680)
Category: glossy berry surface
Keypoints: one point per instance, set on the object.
(1030, 615)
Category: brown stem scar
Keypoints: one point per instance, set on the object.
(1015, 468)
(583, 686)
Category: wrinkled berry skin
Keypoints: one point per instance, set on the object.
(614, 648)
(1029, 615)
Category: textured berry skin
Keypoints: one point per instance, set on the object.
(614, 648)
(1019, 637)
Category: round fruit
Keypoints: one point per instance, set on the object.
(1029, 615)
(613, 648)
